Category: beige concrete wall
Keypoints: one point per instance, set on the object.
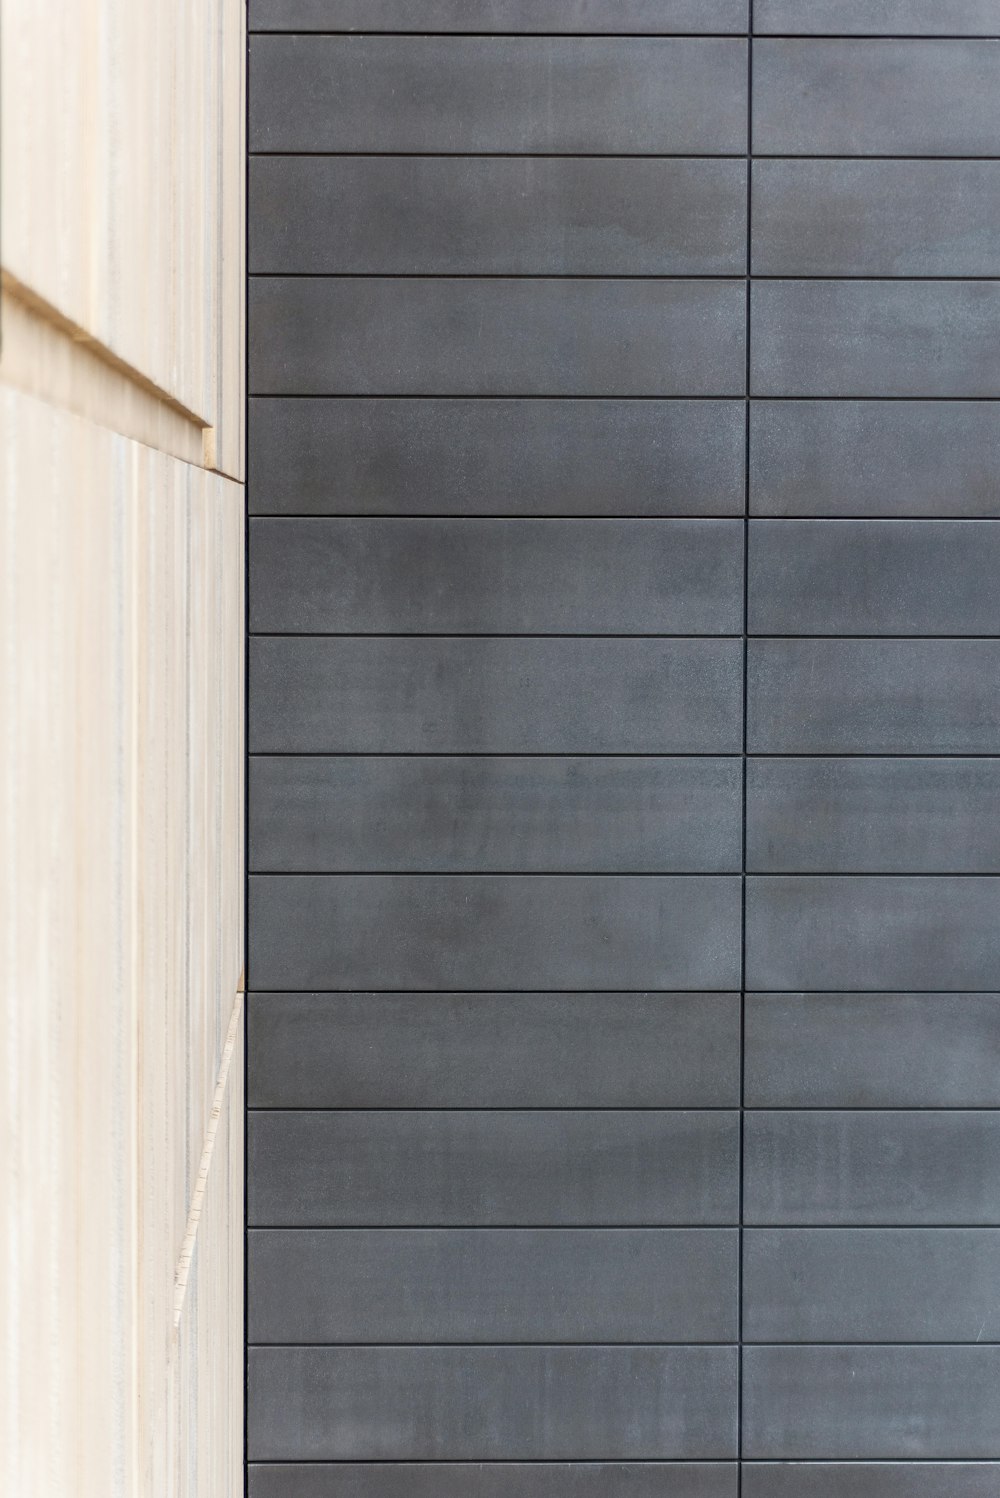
(121, 743)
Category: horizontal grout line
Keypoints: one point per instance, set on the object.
(575, 1228)
(272, 634)
(847, 156)
(427, 155)
(576, 754)
(734, 1344)
(614, 518)
(729, 1227)
(736, 397)
(558, 276)
(747, 34)
(866, 754)
(505, 754)
(492, 36)
(737, 518)
(868, 36)
(616, 156)
(476, 517)
(673, 1108)
(357, 634)
(820, 519)
(606, 873)
(549, 155)
(256, 991)
(726, 277)
(613, 399)
(521, 874)
(635, 1461)
(513, 395)
(517, 873)
(840, 278)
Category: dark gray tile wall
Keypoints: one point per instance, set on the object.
(500, 17)
(870, 1163)
(624, 729)
(501, 1479)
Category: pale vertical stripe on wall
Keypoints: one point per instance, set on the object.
(121, 749)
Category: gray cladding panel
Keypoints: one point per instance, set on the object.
(426, 215)
(870, 1169)
(544, 95)
(871, 1402)
(872, 1050)
(372, 335)
(875, 338)
(617, 17)
(870, 18)
(490, 931)
(482, 814)
(482, 576)
(871, 1285)
(478, 1285)
(886, 932)
(477, 1168)
(876, 98)
(505, 1479)
(876, 577)
(876, 218)
(499, 1175)
(873, 816)
(412, 456)
(844, 1480)
(497, 696)
(873, 697)
(875, 458)
(509, 1050)
(462, 1403)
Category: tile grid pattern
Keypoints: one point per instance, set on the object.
(834, 1171)
(871, 1247)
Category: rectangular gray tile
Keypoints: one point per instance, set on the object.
(370, 335)
(875, 338)
(873, 577)
(841, 1480)
(481, 1285)
(412, 456)
(873, 816)
(480, 814)
(872, 458)
(616, 17)
(497, 696)
(509, 1050)
(532, 216)
(871, 1402)
(870, 18)
(873, 696)
(521, 577)
(876, 218)
(876, 98)
(872, 1050)
(515, 1403)
(871, 1285)
(478, 1168)
(870, 1169)
(543, 95)
(453, 931)
(873, 932)
(503, 1479)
